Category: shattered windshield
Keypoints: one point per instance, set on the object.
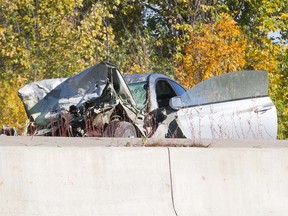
(139, 93)
(228, 87)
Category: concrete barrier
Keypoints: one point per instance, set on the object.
(230, 181)
(61, 176)
(84, 181)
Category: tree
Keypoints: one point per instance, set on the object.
(213, 49)
(279, 93)
(47, 39)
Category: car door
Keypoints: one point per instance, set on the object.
(233, 105)
(159, 122)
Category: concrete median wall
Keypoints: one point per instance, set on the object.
(54, 179)
(230, 181)
(84, 181)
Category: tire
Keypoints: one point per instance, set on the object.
(120, 129)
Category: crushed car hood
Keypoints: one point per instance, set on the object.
(44, 99)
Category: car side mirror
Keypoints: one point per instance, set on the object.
(175, 103)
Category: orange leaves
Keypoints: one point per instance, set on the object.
(213, 49)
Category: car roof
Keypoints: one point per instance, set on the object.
(135, 78)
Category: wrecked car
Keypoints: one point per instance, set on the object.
(100, 101)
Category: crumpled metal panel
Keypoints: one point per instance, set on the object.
(32, 93)
(45, 97)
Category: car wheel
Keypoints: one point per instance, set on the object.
(120, 129)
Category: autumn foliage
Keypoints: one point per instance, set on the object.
(188, 40)
(213, 49)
